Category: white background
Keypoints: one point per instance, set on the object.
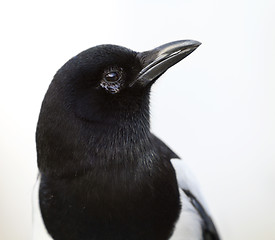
(216, 108)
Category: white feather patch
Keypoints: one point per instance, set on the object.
(186, 180)
(188, 226)
(39, 231)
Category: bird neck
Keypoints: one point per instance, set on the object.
(73, 147)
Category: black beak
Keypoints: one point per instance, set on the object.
(155, 62)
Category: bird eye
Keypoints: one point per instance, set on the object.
(112, 76)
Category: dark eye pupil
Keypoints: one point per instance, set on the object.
(112, 76)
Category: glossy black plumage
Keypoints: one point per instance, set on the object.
(104, 175)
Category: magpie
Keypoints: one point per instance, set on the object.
(102, 174)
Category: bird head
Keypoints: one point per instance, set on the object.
(107, 80)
